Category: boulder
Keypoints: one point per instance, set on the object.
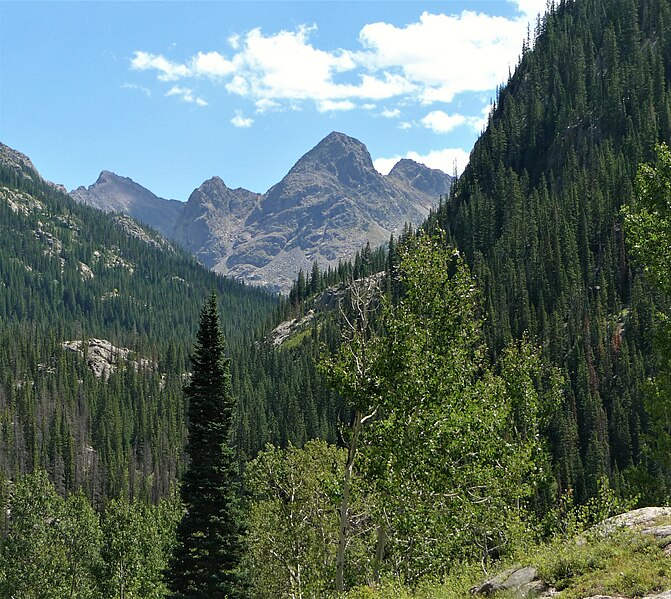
(523, 581)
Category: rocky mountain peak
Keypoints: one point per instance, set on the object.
(110, 178)
(23, 167)
(421, 177)
(113, 193)
(211, 187)
(339, 155)
(331, 203)
(11, 158)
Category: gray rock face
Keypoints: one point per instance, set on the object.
(213, 220)
(326, 208)
(422, 178)
(113, 193)
(23, 166)
(520, 581)
(103, 358)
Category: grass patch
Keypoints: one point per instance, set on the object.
(625, 563)
(295, 340)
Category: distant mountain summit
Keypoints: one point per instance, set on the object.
(422, 178)
(113, 193)
(327, 207)
(22, 168)
(212, 220)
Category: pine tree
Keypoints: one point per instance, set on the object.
(210, 535)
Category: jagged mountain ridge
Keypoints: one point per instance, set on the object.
(113, 193)
(327, 207)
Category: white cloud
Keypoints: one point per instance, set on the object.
(186, 95)
(240, 121)
(530, 8)
(211, 64)
(146, 91)
(405, 125)
(428, 61)
(234, 41)
(391, 113)
(329, 105)
(441, 122)
(167, 70)
(445, 54)
(266, 105)
(446, 160)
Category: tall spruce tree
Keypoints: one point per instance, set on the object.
(206, 560)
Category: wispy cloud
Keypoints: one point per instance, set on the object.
(330, 105)
(240, 121)
(186, 95)
(441, 122)
(145, 90)
(167, 70)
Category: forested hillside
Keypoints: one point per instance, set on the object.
(72, 274)
(537, 213)
(497, 380)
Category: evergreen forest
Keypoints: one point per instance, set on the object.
(498, 378)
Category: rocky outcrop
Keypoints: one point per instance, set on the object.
(520, 580)
(416, 176)
(23, 167)
(132, 229)
(113, 193)
(103, 358)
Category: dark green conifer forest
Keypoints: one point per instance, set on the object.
(537, 213)
(522, 329)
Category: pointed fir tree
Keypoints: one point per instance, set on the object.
(206, 560)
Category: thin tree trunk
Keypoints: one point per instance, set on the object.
(344, 505)
(379, 553)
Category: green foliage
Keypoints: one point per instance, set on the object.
(209, 538)
(648, 227)
(54, 547)
(293, 522)
(623, 564)
(71, 273)
(648, 220)
(449, 424)
(33, 550)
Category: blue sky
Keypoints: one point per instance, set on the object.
(173, 93)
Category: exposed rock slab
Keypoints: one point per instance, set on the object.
(132, 229)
